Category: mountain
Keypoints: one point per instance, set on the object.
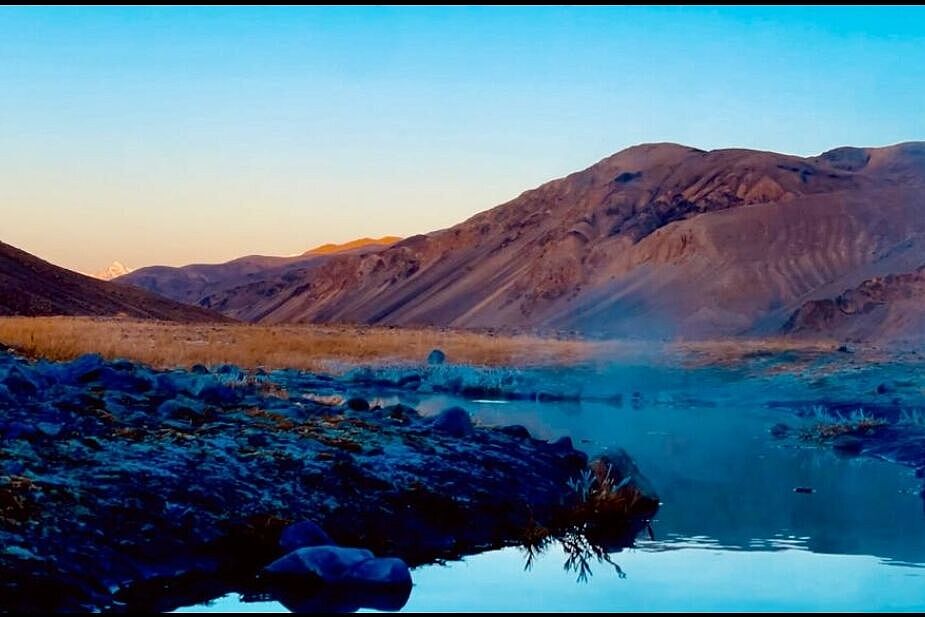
(30, 286)
(113, 270)
(353, 245)
(885, 308)
(659, 240)
(192, 284)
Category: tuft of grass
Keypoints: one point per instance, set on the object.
(307, 347)
(913, 416)
(829, 425)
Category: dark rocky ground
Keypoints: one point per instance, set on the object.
(125, 488)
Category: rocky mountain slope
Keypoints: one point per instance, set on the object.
(30, 286)
(657, 240)
(191, 284)
(886, 307)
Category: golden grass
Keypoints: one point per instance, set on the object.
(309, 347)
(323, 347)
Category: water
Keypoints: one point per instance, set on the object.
(731, 534)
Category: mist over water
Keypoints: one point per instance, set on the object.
(732, 533)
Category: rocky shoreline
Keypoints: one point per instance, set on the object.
(123, 488)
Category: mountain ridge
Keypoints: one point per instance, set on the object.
(658, 240)
(191, 283)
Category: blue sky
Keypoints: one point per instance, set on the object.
(178, 135)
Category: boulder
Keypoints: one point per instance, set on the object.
(19, 383)
(400, 412)
(230, 369)
(176, 409)
(218, 394)
(436, 357)
(77, 370)
(848, 444)
(327, 563)
(357, 404)
(49, 429)
(17, 430)
(121, 380)
(5, 396)
(380, 572)
(454, 421)
(409, 382)
(302, 535)
(516, 430)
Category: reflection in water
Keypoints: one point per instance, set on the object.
(732, 533)
(335, 599)
(580, 553)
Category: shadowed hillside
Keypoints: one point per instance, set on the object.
(30, 286)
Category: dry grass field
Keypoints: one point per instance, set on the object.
(311, 347)
(323, 347)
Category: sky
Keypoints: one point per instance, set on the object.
(194, 135)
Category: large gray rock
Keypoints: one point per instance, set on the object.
(328, 563)
(302, 535)
(384, 571)
(454, 421)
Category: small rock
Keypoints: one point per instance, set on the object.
(85, 365)
(454, 421)
(779, 430)
(401, 412)
(302, 535)
(844, 349)
(123, 380)
(848, 444)
(177, 410)
(122, 365)
(885, 388)
(13, 468)
(804, 490)
(19, 383)
(436, 357)
(516, 430)
(329, 563)
(358, 404)
(91, 442)
(199, 369)
(384, 572)
(563, 444)
(409, 382)
(218, 394)
(18, 430)
(20, 553)
(258, 440)
(229, 369)
(49, 428)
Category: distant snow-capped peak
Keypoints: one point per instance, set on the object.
(114, 270)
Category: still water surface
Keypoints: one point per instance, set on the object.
(731, 534)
